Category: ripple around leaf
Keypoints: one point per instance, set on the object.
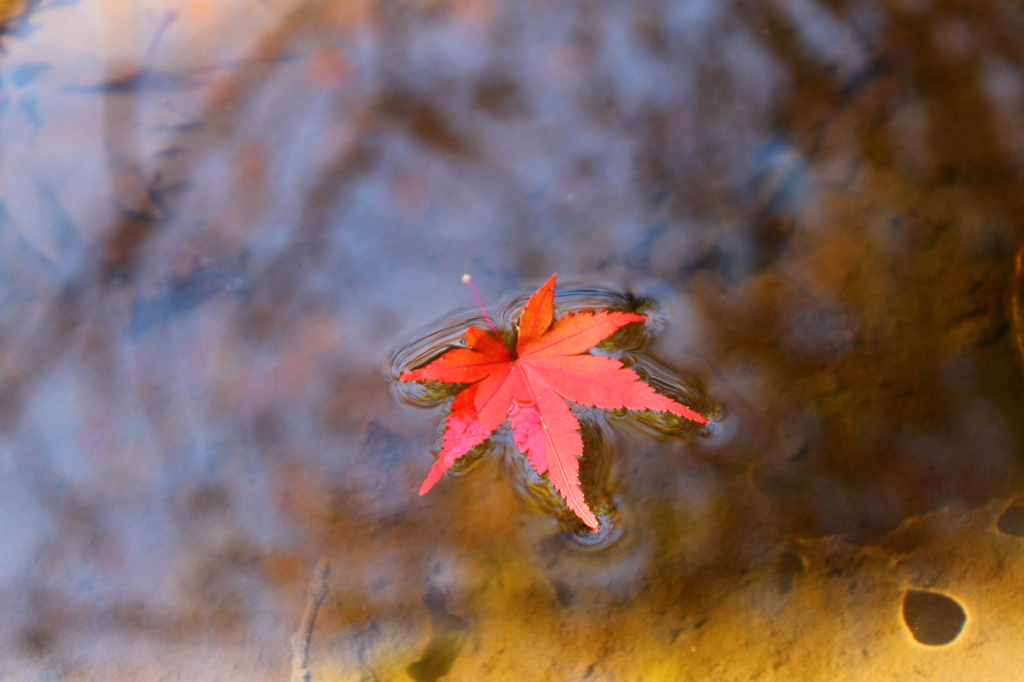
(625, 345)
(423, 346)
(668, 382)
(433, 340)
(606, 535)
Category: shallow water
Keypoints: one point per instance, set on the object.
(222, 223)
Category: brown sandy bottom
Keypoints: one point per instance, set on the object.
(821, 610)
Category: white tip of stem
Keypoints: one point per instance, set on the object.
(467, 279)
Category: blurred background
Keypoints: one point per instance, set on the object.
(219, 220)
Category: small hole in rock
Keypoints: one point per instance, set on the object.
(933, 618)
(1012, 521)
(790, 567)
(563, 593)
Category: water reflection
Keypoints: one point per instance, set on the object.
(216, 219)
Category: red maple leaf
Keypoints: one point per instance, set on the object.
(530, 385)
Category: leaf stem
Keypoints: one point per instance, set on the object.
(469, 280)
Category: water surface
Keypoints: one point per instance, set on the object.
(220, 221)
